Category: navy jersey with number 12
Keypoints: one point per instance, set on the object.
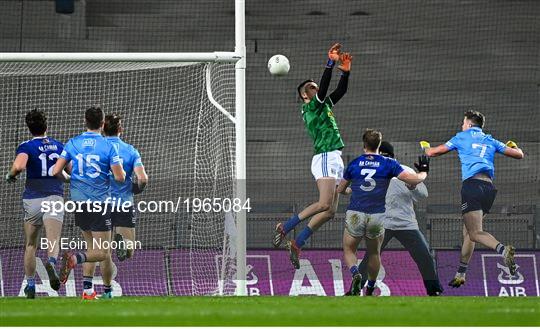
(42, 155)
(370, 175)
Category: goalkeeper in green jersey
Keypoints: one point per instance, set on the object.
(326, 165)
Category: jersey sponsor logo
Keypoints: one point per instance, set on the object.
(48, 147)
(375, 164)
(89, 142)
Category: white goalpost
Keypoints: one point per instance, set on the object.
(98, 62)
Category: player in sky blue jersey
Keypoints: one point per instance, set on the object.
(366, 179)
(38, 157)
(124, 220)
(93, 157)
(476, 151)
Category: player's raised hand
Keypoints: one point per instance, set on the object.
(345, 62)
(424, 145)
(423, 163)
(334, 52)
(511, 144)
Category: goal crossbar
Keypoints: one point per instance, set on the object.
(215, 57)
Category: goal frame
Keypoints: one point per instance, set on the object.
(238, 57)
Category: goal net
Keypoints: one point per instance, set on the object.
(187, 146)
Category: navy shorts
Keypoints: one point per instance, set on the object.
(477, 194)
(93, 221)
(124, 219)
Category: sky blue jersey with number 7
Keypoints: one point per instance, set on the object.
(476, 151)
(92, 156)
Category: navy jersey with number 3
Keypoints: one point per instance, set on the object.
(42, 155)
(370, 175)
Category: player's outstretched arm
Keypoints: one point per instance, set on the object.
(18, 166)
(513, 151)
(58, 169)
(412, 178)
(434, 151)
(142, 180)
(333, 57)
(345, 66)
(118, 173)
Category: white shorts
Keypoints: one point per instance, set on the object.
(32, 210)
(328, 164)
(360, 224)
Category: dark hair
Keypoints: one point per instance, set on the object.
(94, 118)
(386, 148)
(36, 120)
(112, 124)
(372, 139)
(477, 118)
(301, 86)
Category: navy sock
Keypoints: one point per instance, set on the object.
(52, 260)
(81, 257)
(500, 248)
(303, 236)
(371, 283)
(354, 270)
(107, 289)
(31, 281)
(87, 282)
(291, 223)
(462, 267)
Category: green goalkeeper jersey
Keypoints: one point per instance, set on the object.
(321, 125)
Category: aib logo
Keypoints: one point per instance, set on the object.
(498, 281)
(505, 277)
(258, 275)
(88, 142)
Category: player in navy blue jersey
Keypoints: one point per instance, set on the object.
(366, 179)
(38, 157)
(476, 151)
(123, 222)
(93, 157)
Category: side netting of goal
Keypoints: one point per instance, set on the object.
(176, 115)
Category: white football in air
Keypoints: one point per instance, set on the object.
(278, 65)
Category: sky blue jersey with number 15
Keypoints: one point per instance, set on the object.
(92, 156)
(476, 151)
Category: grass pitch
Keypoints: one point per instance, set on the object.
(272, 311)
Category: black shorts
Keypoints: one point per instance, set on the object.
(124, 219)
(93, 221)
(477, 194)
